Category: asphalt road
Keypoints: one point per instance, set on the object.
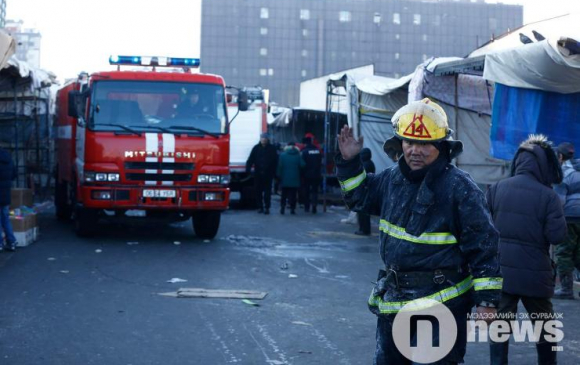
(67, 300)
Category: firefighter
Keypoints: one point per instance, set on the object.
(437, 239)
(312, 174)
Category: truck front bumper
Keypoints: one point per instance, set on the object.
(155, 197)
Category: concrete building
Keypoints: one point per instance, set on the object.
(27, 42)
(2, 13)
(277, 44)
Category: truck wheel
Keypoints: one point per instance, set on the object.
(206, 224)
(62, 208)
(85, 221)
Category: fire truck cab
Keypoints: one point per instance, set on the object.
(147, 141)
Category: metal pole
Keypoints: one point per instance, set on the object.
(16, 136)
(325, 153)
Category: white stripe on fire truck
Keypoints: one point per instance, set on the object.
(168, 146)
(151, 144)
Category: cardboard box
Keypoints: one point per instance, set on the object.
(23, 224)
(26, 238)
(20, 197)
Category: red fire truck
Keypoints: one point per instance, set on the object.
(148, 141)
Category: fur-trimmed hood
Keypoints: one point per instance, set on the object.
(536, 157)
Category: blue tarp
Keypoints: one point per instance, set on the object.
(518, 113)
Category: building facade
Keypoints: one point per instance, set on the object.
(277, 44)
(27, 42)
(2, 13)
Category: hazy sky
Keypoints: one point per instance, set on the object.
(79, 35)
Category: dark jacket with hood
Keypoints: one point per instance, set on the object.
(569, 190)
(264, 159)
(289, 167)
(529, 217)
(431, 219)
(313, 159)
(7, 174)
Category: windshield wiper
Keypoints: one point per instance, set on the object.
(189, 128)
(130, 130)
(162, 129)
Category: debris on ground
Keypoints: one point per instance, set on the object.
(249, 302)
(284, 266)
(301, 323)
(215, 293)
(64, 271)
(206, 241)
(176, 280)
(132, 243)
(304, 352)
(292, 276)
(51, 259)
(98, 250)
(176, 243)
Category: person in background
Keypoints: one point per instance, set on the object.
(312, 174)
(568, 253)
(191, 106)
(364, 220)
(289, 167)
(529, 216)
(7, 174)
(264, 159)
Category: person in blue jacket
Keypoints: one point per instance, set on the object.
(7, 174)
(437, 240)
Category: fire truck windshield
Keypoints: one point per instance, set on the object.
(146, 105)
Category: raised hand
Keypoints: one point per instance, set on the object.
(348, 145)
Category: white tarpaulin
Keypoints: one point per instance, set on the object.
(541, 65)
(7, 48)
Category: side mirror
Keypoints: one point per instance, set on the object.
(73, 102)
(243, 103)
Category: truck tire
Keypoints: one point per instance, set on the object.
(85, 221)
(62, 208)
(206, 224)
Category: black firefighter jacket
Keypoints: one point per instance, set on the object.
(440, 223)
(264, 159)
(529, 217)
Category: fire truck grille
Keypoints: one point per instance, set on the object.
(157, 177)
(159, 166)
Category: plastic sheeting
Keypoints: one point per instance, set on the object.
(540, 66)
(520, 112)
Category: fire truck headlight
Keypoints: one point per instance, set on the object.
(213, 196)
(100, 176)
(203, 179)
(89, 176)
(113, 177)
(214, 179)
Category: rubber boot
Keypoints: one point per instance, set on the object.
(498, 353)
(545, 354)
(566, 287)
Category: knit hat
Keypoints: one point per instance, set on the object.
(566, 149)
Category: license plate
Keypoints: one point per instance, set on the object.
(151, 193)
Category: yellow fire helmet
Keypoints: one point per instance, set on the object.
(423, 121)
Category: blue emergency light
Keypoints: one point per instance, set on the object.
(154, 61)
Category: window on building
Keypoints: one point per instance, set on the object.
(397, 36)
(304, 14)
(235, 71)
(271, 72)
(416, 19)
(492, 23)
(303, 73)
(396, 18)
(437, 20)
(377, 18)
(264, 13)
(305, 32)
(397, 56)
(304, 53)
(345, 16)
(263, 31)
(263, 51)
(263, 72)
(424, 37)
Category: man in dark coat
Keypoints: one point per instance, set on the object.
(364, 220)
(529, 217)
(7, 174)
(264, 160)
(437, 241)
(312, 173)
(568, 253)
(289, 167)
